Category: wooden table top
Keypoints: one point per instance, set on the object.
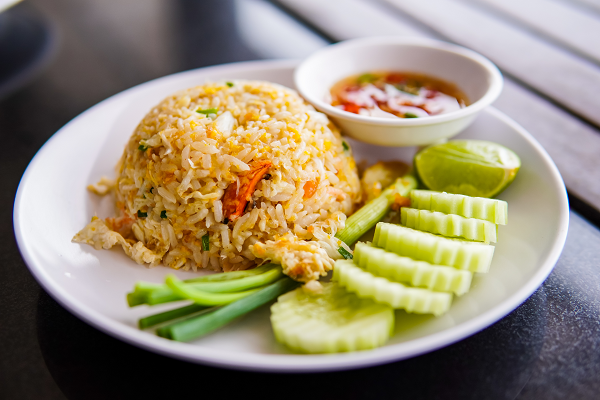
(549, 54)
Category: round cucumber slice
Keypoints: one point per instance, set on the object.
(333, 321)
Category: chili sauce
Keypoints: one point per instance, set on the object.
(387, 94)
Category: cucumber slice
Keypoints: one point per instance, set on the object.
(492, 210)
(458, 253)
(331, 322)
(417, 273)
(394, 294)
(448, 224)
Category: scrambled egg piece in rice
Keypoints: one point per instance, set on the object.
(227, 175)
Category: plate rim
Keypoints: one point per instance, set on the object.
(289, 363)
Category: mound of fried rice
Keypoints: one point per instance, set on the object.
(228, 175)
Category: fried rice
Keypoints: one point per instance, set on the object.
(227, 175)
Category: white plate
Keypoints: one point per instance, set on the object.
(52, 205)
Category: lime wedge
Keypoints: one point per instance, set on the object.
(471, 167)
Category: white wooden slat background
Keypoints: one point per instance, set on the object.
(569, 80)
(592, 4)
(572, 26)
(344, 19)
(271, 33)
(574, 145)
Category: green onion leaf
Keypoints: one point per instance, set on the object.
(142, 147)
(163, 214)
(156, 319)
(203, 297)
(151, 189)
(366, 78)
(205, 243)
(230, 84)
(345, 253)
(207, 322)
(232, 275)
(410, 115)
(345, 146)
(208, 111)
(371, 213)
(142, 214)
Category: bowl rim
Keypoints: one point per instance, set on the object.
(494, 88)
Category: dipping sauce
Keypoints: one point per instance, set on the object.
(396, 95)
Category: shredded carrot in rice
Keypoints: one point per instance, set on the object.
(310, 188)
(235, 200)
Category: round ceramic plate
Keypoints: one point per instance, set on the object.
(52, 204)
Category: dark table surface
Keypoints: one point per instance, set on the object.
(548, 348)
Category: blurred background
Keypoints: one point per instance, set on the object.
(60, 57)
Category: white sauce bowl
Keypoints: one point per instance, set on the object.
(474, 75)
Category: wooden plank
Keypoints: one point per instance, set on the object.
(357, 18)
(555, 20)
(268, 31)
(592, 4)
(567, 79)
(573, 145)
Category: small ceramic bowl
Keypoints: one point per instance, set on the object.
(474, 74)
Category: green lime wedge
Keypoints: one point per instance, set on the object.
(471, 167)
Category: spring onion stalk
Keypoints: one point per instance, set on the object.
(167, 294)
(201, 325)
(237, 285)
(203, 297)
(140, 293)
(226, 276)
(156, 293)
(136, 299)
(156, 319)
(160, 296)
(371, 213)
